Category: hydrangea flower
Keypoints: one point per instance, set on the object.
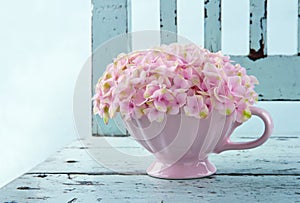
(173, 78)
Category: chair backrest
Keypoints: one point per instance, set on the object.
(279, 75)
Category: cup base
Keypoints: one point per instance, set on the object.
(179, 170)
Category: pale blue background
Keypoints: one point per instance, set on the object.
(44, 44)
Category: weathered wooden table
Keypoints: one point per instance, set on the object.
(270, 173)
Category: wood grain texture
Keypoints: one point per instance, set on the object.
(212, 25)
(137, 188)
(168, 21)
(258, 29)
(126, 156)
(279, 76)
(298, 27)
(265, 174)
(110, 19)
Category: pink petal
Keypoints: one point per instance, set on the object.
(173, 110)
(138, 98)
(193, 106)
(160, 106)
(181, 83)
(253, 80)
(181, 99)
(150, 89)
(155, 115)
(113, 109)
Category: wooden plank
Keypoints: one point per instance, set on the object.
(212, 25)
(110, 19)
(168, 21)
(137, 188)
(262, 174)
(258, 29)
(125, 156)
(279, 76)
(298, 27)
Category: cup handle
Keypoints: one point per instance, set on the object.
(268, 122)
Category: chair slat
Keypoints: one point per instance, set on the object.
(258, 29)
(113, 17)
(298, 27)
(110, 18)
(278, 76)
(212, 25)
(168, 20)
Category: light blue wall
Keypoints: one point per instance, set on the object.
(44, 44)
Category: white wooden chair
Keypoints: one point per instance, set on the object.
(279, 75)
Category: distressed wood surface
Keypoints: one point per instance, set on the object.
(136, 188)
(126, 156)
(298, 27)
(258, 29)
(168, 21)
(265, 174)
(279, 76)
(212, 25)
(109, 19)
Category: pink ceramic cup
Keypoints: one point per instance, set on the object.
(181, 144)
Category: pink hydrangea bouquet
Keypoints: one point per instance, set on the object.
(174, 78)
